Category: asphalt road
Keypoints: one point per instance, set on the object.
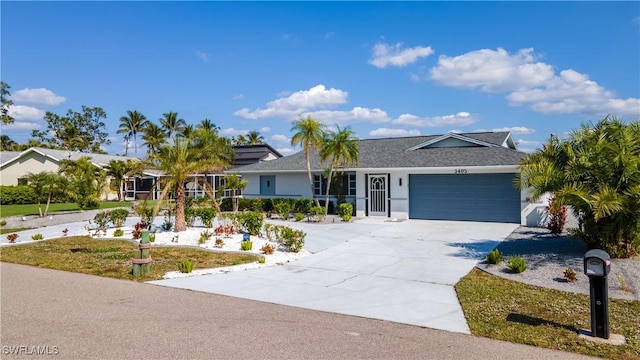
(76, 316)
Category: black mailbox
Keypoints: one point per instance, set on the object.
(597, 263)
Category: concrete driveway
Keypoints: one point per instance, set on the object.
(396, 271)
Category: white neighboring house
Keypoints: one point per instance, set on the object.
(467, 177)
(16, 165)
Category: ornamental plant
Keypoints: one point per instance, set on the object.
(12, 237)
(268, 249)
(37, 237)
(250, 221)
(317, 213)
(292, 240)
(185, 266)
(118, 232)
(118, 216)
(206, 215)
(494, 257)
(102, 220)
(517, 265)
(345, 211)
(557, 216)
(246, 245)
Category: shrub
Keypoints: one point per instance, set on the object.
(102, 219)
(137, 230)
(283, 208)
(303, 205)
(118, 216)
(12, 237)
(250, 221)
(145, 212)
(167, 225)
(88, 203)
(15, 195)
(152, 237)
(494, 257)
(332, 206)
(118, 232)
(299, 217)
(292, 240)
(317, 214)
(206, 215)
(517, 265)
(557, 217)
(185, 266)
(268, 249)
(3, 222)
(246, 245)
(37, 237)
(204, 236)
(344, 211)
(256, 204)
(219, 243)
(226, 230)
(569, 275)
(262, 260)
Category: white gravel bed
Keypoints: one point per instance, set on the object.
(548, 257)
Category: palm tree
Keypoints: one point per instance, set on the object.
(46, 184)
(254, 138)
(153, 138)
(179, 162)
(171, 124)
(187, 131)
(131, 125)
(596, 171)
(236, 184)
(208, 125)
(309, 134)
(86, 181)
(240, 140)
(340, 148)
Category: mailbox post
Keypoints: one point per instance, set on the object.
(597, 264)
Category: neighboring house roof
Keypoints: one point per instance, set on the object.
(59, 155)
(449, 150)
(249, 154)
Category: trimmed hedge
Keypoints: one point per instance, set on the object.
(24, 194)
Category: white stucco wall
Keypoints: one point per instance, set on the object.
(31, 162)
(294, 185)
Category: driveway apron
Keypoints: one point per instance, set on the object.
(397, 271)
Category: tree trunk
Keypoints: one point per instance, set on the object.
(46, 209)
(181, 224)
(326, 201)
(313, 193)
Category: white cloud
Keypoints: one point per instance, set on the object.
(40, 96)
(20, 126)
(530, 83)
(393, 55)
(491, 70)
(514, 130)
(355, 115)
(386, 132)
(295, 104)
(23, 112)
(459, 119)
(285, 150)
(203, 56)
(280, 139)
(528, 146)
(265, 129)
(233, 132)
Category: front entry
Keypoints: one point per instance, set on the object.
(377, 195)
(267, 185)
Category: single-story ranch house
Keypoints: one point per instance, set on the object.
(468, 176)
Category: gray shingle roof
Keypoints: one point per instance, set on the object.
(393, 153)
(59, 155)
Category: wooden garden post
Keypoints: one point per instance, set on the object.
(141, 257)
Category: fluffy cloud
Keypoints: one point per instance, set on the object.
(265, 129)
(20, 127)
(491, 70)
(23, 112)
(285, 150)
(280, 139)
(514, 130)
(530, 83)
(293, 105)
(528, 146)
(459, 119)
(393, 55)
(233, 132)
(355, 115)
(40, 96)
(386, 132)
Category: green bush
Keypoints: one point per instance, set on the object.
(185, 266)
(88, 203)
(250, 221)
(517, 265)
(102, 220)
(344, 211)
(118, 216)
(303, 205)
(37, 237)
(204, 236)
(145, 212)
(206, 215)
(299, 216)
(118, 232)
(283, 207)
(332, 206)
(246, 245)
(15, 195)
(262, 260)
(317, 214)
(494, 257)
(292, 240)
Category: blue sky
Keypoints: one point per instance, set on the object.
(383, 68)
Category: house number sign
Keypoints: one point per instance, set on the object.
(460, 171)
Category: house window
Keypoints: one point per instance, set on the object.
(351, 179)
(227, 192)
(348, 185)
(319, 185)
(23, 181)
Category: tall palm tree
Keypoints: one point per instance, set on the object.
(86, 181)
(171, 125)
(153, 138)
(208, 125)
(310, 135)
(340, 148)
(130, 126)
(254, 138)
(179, 161)
(187, 131)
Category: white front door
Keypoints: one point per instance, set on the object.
(378, 195)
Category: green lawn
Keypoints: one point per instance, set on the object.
(112, 258)
(508, 310)
(32, 209)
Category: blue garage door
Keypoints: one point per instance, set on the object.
(470, 197)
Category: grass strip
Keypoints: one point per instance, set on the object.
(507, 310)
(32, 209)
(112, 258)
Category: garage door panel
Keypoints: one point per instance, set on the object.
(471, 197)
